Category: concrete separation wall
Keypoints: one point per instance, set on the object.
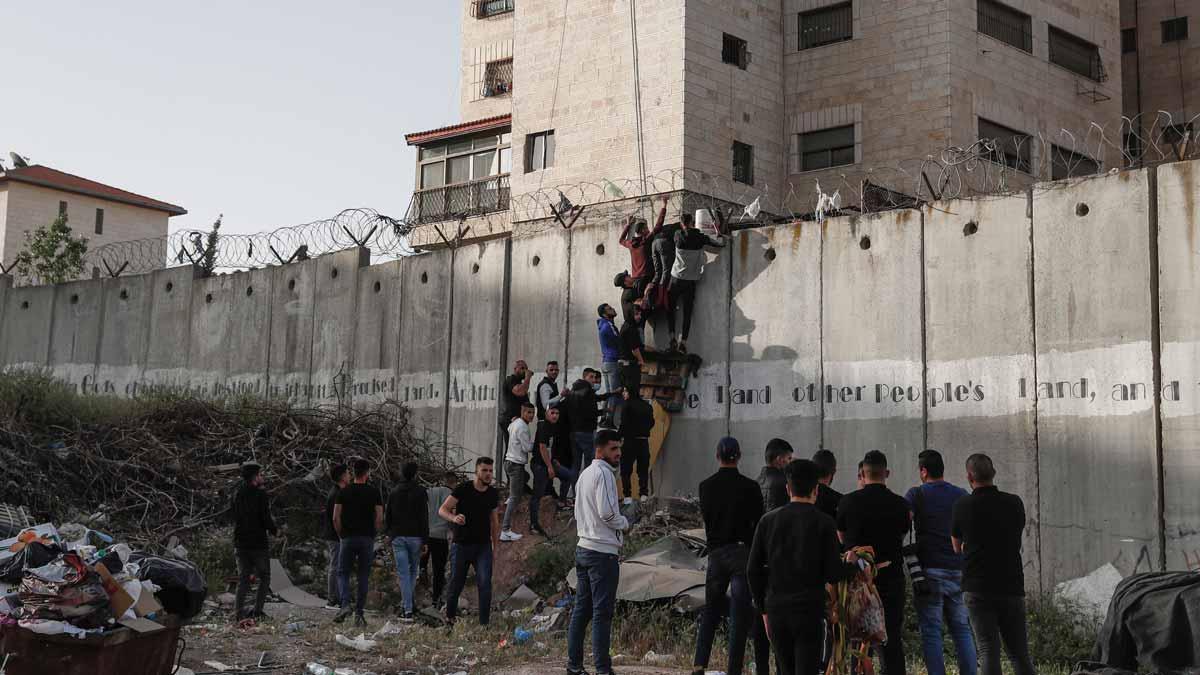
(1056, 332)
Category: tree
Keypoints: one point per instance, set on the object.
(51, 255)
(208, 252)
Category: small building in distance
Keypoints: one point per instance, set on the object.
(1160, 64)
(33, 196)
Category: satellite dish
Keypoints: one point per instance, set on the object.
(18, 161)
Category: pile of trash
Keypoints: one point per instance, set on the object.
(75, 581)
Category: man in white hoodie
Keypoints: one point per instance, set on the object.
(601, 527)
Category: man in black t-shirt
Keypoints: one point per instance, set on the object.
(828, 499)
(471, 507)
(340, 475)
(515, 391)
(546, 464)
(637, 421)
(877, 517)
(987, 528)
(357, 517)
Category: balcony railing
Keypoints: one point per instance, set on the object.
(460, 201)
(482, 9)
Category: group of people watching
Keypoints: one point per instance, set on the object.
(773, 556)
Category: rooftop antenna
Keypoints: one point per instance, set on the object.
(18, 161)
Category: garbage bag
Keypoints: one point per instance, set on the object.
(183, 586)
(34, 554)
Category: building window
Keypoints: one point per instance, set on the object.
(462, 160)
(743, 163)
(498, 79)
(1075, 54)
(483, 9)
(1174, 30)
(99, 221)
(1128, 40)
(1174, 134)
(1005, 24)
(1006, 146)
(735, 50)
(539, 151)
(826, 148)
(827, 25)
(1069, 164)
(62, 208)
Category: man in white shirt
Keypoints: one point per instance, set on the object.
(601, 532)
(520, 445)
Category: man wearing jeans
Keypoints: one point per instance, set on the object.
(545, 467)
(357, 517)
(987, 527)
(408, 526)
(610, 357)
(581, 404)
(732, 506)
(472, 507)
(340, 475)
(932, 504)
(600, 527)
(516, 457)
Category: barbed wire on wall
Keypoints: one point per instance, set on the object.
(986, 167)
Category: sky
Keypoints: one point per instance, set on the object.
(272, 113)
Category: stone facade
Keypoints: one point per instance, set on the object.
(24, 207)
(915, 77)
(1160, 76)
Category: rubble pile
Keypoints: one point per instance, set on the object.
(169, 469)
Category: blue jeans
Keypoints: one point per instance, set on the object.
(408, 566)
(584, 443)
(480, 557)
(357, 554)
(541, 484)
(945, 600)
(595, 597)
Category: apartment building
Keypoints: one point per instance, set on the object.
(34, 196)
(761, 97)
(1160, 65)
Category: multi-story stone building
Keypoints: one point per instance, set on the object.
(34, 196)
(1160, 65)
(762, 97)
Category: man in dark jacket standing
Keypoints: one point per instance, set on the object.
(732, 507)
(407, 519)
(771, 480)
(637, 421)
(251, 523)
(582, 413)
(828, 499)
(340, 475)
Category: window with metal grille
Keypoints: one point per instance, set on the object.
(1006, 146)
(483, 9)
(735, 50)
(1005, 24)
(539, 151)
(826, 148)
(743, 163)
(1174, 30)
(827, 25)
(1128, 40)
(498, 78)
(99, 221)
(1075, 54)
(1066, 163)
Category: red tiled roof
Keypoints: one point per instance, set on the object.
(458, 129)
(59, 180)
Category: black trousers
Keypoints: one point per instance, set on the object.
(635, 452)
(997, 619)
(797, 639)
(682, 294)
(891, 591)
(256, 563)
(439, 555)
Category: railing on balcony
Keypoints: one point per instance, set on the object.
(482, 9)
(460, 201)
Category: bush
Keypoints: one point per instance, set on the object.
(548, 565)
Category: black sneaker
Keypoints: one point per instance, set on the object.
(538, 529)
(577, 672)
(359, 621)
(342, 615)
(406, 617)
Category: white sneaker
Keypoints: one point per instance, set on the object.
(645, 498)
(628, 501)
(509, 535)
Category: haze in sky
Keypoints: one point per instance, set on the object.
(273, 113)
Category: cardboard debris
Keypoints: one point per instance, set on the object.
(117, 596)
(522, 598)
(141, 625)
(671, 568)
(281, 585)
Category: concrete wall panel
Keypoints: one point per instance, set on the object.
(775, 324)
(75, 340)
(475, 352)
(169, 339)
(1096, 424)
(293, 307)
(537, 325)
(979, 346)
(25, 333)
(871, 332)
(334, 321)
(1179, 297)
(207, 355)
(424, 331)
(247, 341)
(123, 334)
(377, 333)
(592, 275)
